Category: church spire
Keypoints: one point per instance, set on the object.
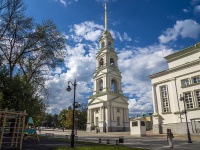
(106, 20)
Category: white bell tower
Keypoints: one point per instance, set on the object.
(107, 107)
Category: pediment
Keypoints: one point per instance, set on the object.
(119, 99)
(95, 101)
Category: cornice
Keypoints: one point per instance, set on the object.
(105, 51)
(174, 69)
(183, 53)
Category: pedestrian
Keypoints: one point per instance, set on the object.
(170, 136)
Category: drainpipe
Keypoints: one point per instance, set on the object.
(178, 100)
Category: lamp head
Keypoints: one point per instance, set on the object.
(68, 88)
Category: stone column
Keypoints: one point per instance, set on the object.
(174, 101)
(155, 102)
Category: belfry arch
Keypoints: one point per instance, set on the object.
(107, 107)
(112, 62)
(114, 85)
(101, 62)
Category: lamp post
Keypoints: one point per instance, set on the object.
(76, 124)
(69, 89)
(185, 112)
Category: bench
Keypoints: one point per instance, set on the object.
(49, 134)
(108, 140)
(69, 137)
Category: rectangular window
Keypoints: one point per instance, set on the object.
(188, 100)
(118, 121)
(165, 100)
(142, 123)
(196, 79)
(118, 110)
(135, 123)
(198, 97)
(185, 82)
(97, 121)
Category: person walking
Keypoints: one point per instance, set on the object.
(170, 136)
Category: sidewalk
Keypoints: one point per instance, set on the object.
(150, 141)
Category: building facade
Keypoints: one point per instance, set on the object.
(107, 107)
(182, 79)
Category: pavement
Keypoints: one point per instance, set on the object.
(150, 141)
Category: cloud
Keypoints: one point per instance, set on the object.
(87, 30)
(66, 2)
(135, 63)
(186, 10)
(183, 28)
(197, 9)
(63, 2)
(194, 2)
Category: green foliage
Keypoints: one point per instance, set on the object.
(25, 49)
(62, 117)
(18, 94)
(65, 117)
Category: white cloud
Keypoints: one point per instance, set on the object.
(135, 63)
(126, 37)
(87, 30)
(186, 10)
(66, 2)
(63, 2)
(183, 28)
(197, 9)
(194, 2)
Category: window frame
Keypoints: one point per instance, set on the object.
(183, 83)
(190, 102)
(197, 97)
(165, 107)
(198, 79)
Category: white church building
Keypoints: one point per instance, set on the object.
(182, 78)
(107, 107)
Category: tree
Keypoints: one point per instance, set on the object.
(62, 117)
(17, 94)
(82, 117)
(26, 49)
(69, 118)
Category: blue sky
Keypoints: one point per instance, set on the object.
(144, 31)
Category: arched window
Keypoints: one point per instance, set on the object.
(109, 44)
(114, 85)
(112, 62)
(100, 85)
(102, 45)
(101, 62)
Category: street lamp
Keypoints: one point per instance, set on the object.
(68, 90)
(76, 124)
(185, 112)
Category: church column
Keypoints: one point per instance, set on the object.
(88, 115)
(127, 117)
(100, 119)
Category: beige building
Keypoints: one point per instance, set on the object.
(107, 107)
(182, 78)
